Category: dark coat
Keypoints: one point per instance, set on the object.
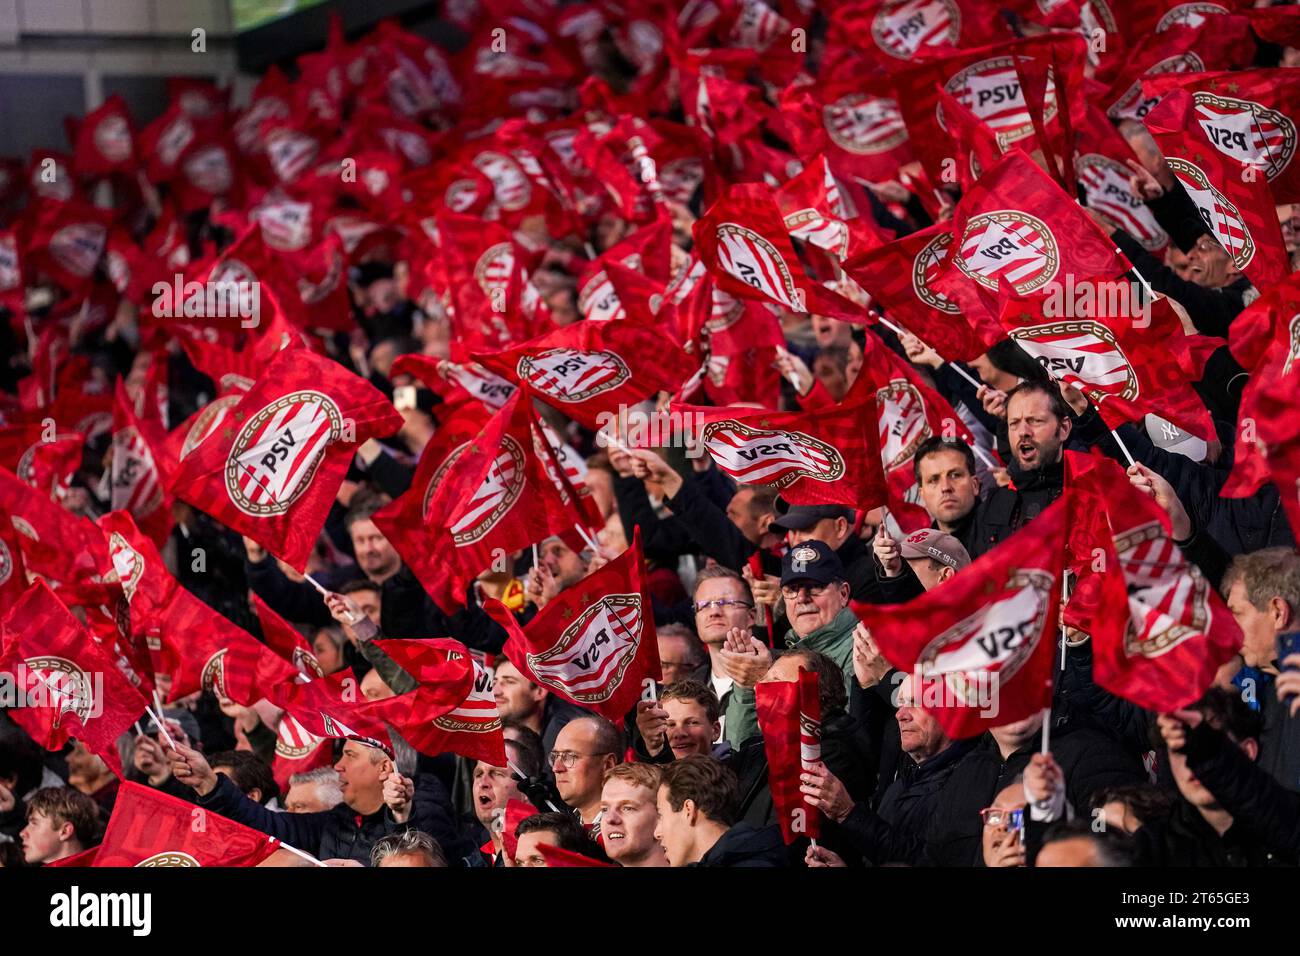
(744, 845)
(1006, 510)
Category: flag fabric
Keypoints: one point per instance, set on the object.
(71, 685)
(594, 644)
(789, 716)
(589, 368)
(140, 469)
(555, 857)
(826, 456)
(1159, 631)
(286, 640)
(1235, 202)
(980, 647)
(151, 828)
(297, 750)
(273, 471)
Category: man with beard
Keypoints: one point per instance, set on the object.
(1038, 426)
(629, 815)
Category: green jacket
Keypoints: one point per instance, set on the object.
(835, 640)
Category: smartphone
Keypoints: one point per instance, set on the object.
(1288, 644)
(404, 398)
(1018, 823)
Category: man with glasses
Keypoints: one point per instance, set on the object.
(586, 748)
(1003, 840)
(722, 602)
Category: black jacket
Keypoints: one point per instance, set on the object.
(1244, 789)
(340, 833)
(1185, 839)
(744, 845)
(711, 531)
(1007, 510)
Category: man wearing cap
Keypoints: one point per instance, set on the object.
(816, 597)
(833, 526)
(377, 801)
(920, 562)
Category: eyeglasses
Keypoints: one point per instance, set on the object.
(722, 603)
(567, 757)
(1002, 817)
(814, 590)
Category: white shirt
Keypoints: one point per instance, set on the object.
(721, 687)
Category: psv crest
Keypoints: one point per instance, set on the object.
(902, 27)
(1293, 345)
(1247, 132)
(213, 414)
(432, 487)
(478, 713)
(769, 457)
(1106, 189)
(1168, 596)
(1134, 105)
(1009, 246)
(493, 271)
(63, 684)
(864, 124)
(213, 675)
(756, 262)
(991, 90)
(925, 269)
(276, 453)
(112, 138)
(510, 186)
(1083, 353)
(128, 563)
(1189, 15)
(495, 496)
(1219, 214)
(588, 661)
(170, 858)
(568, 375)
(903, 425)
(996, 639)
(6, 563)
(77, 247)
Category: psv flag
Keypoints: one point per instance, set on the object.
(594, 644)
(1130, 365)
(150, 828)
(70, 686)
(273, 471)
(105, 142)
(587, 370)
(138, 474)
(900, 277)
(1159, 630)
(1250, 118)
(286, 640)
(789, 715)
(826, 456)
(297, 750)
(980, 647)
(1232, 196)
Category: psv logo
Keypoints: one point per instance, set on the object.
(1293, 345)
(494, 269)
(725, 311)
(77, 248)
(819, 230)
(435, 481)
(1223, 218)
(510, 186)
(592, 654)
(290, 152)
(170, 858)
(598, 301)
(1106, 189)
(6, 563)
(208, 169)
(495, 496)
(679, 178)
(1189, 15)
(753, 260)
(568, 375)
(313, 293)
(276, 454)
(1134, 105)
(1083, 353)
(63, 684)
(903, 27)
(128, 563)
(997, 639)
(769, 457)
(1247, 132)
(1168, 597)
(292, 740)
(900, 410)
(926, 268)
(477, 713)
(213, 675)
(1009, 246)
(112, 138)
(135, 478)
(864, 124)
(991, 90)
(285, 225)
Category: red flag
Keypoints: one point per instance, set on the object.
(490, 497)
(594, 644)
(980, 647)
(286, 640)
(1234, 199)
(150, 828)
(70, 686)
(84, 858)
(828, 456)
(789, 715)
(900, 277)
(67, 240)
(273, 472)
(1129, 363)
(555, 857)
(140, 470)
(1159, 632)
(1249, 116)
(57, 546)
(105, 141)
(744, 242)
(1100, 170)
(587, 370)
(297, 750)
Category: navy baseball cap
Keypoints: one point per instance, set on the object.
(813, 562)
(803, 517)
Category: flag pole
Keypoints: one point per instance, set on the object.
(306, 856)
(586, 536)
(162, 727)
(1122, 447)
(1065, 595)
(1047, 726)
(536, 560)
(316, 584)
